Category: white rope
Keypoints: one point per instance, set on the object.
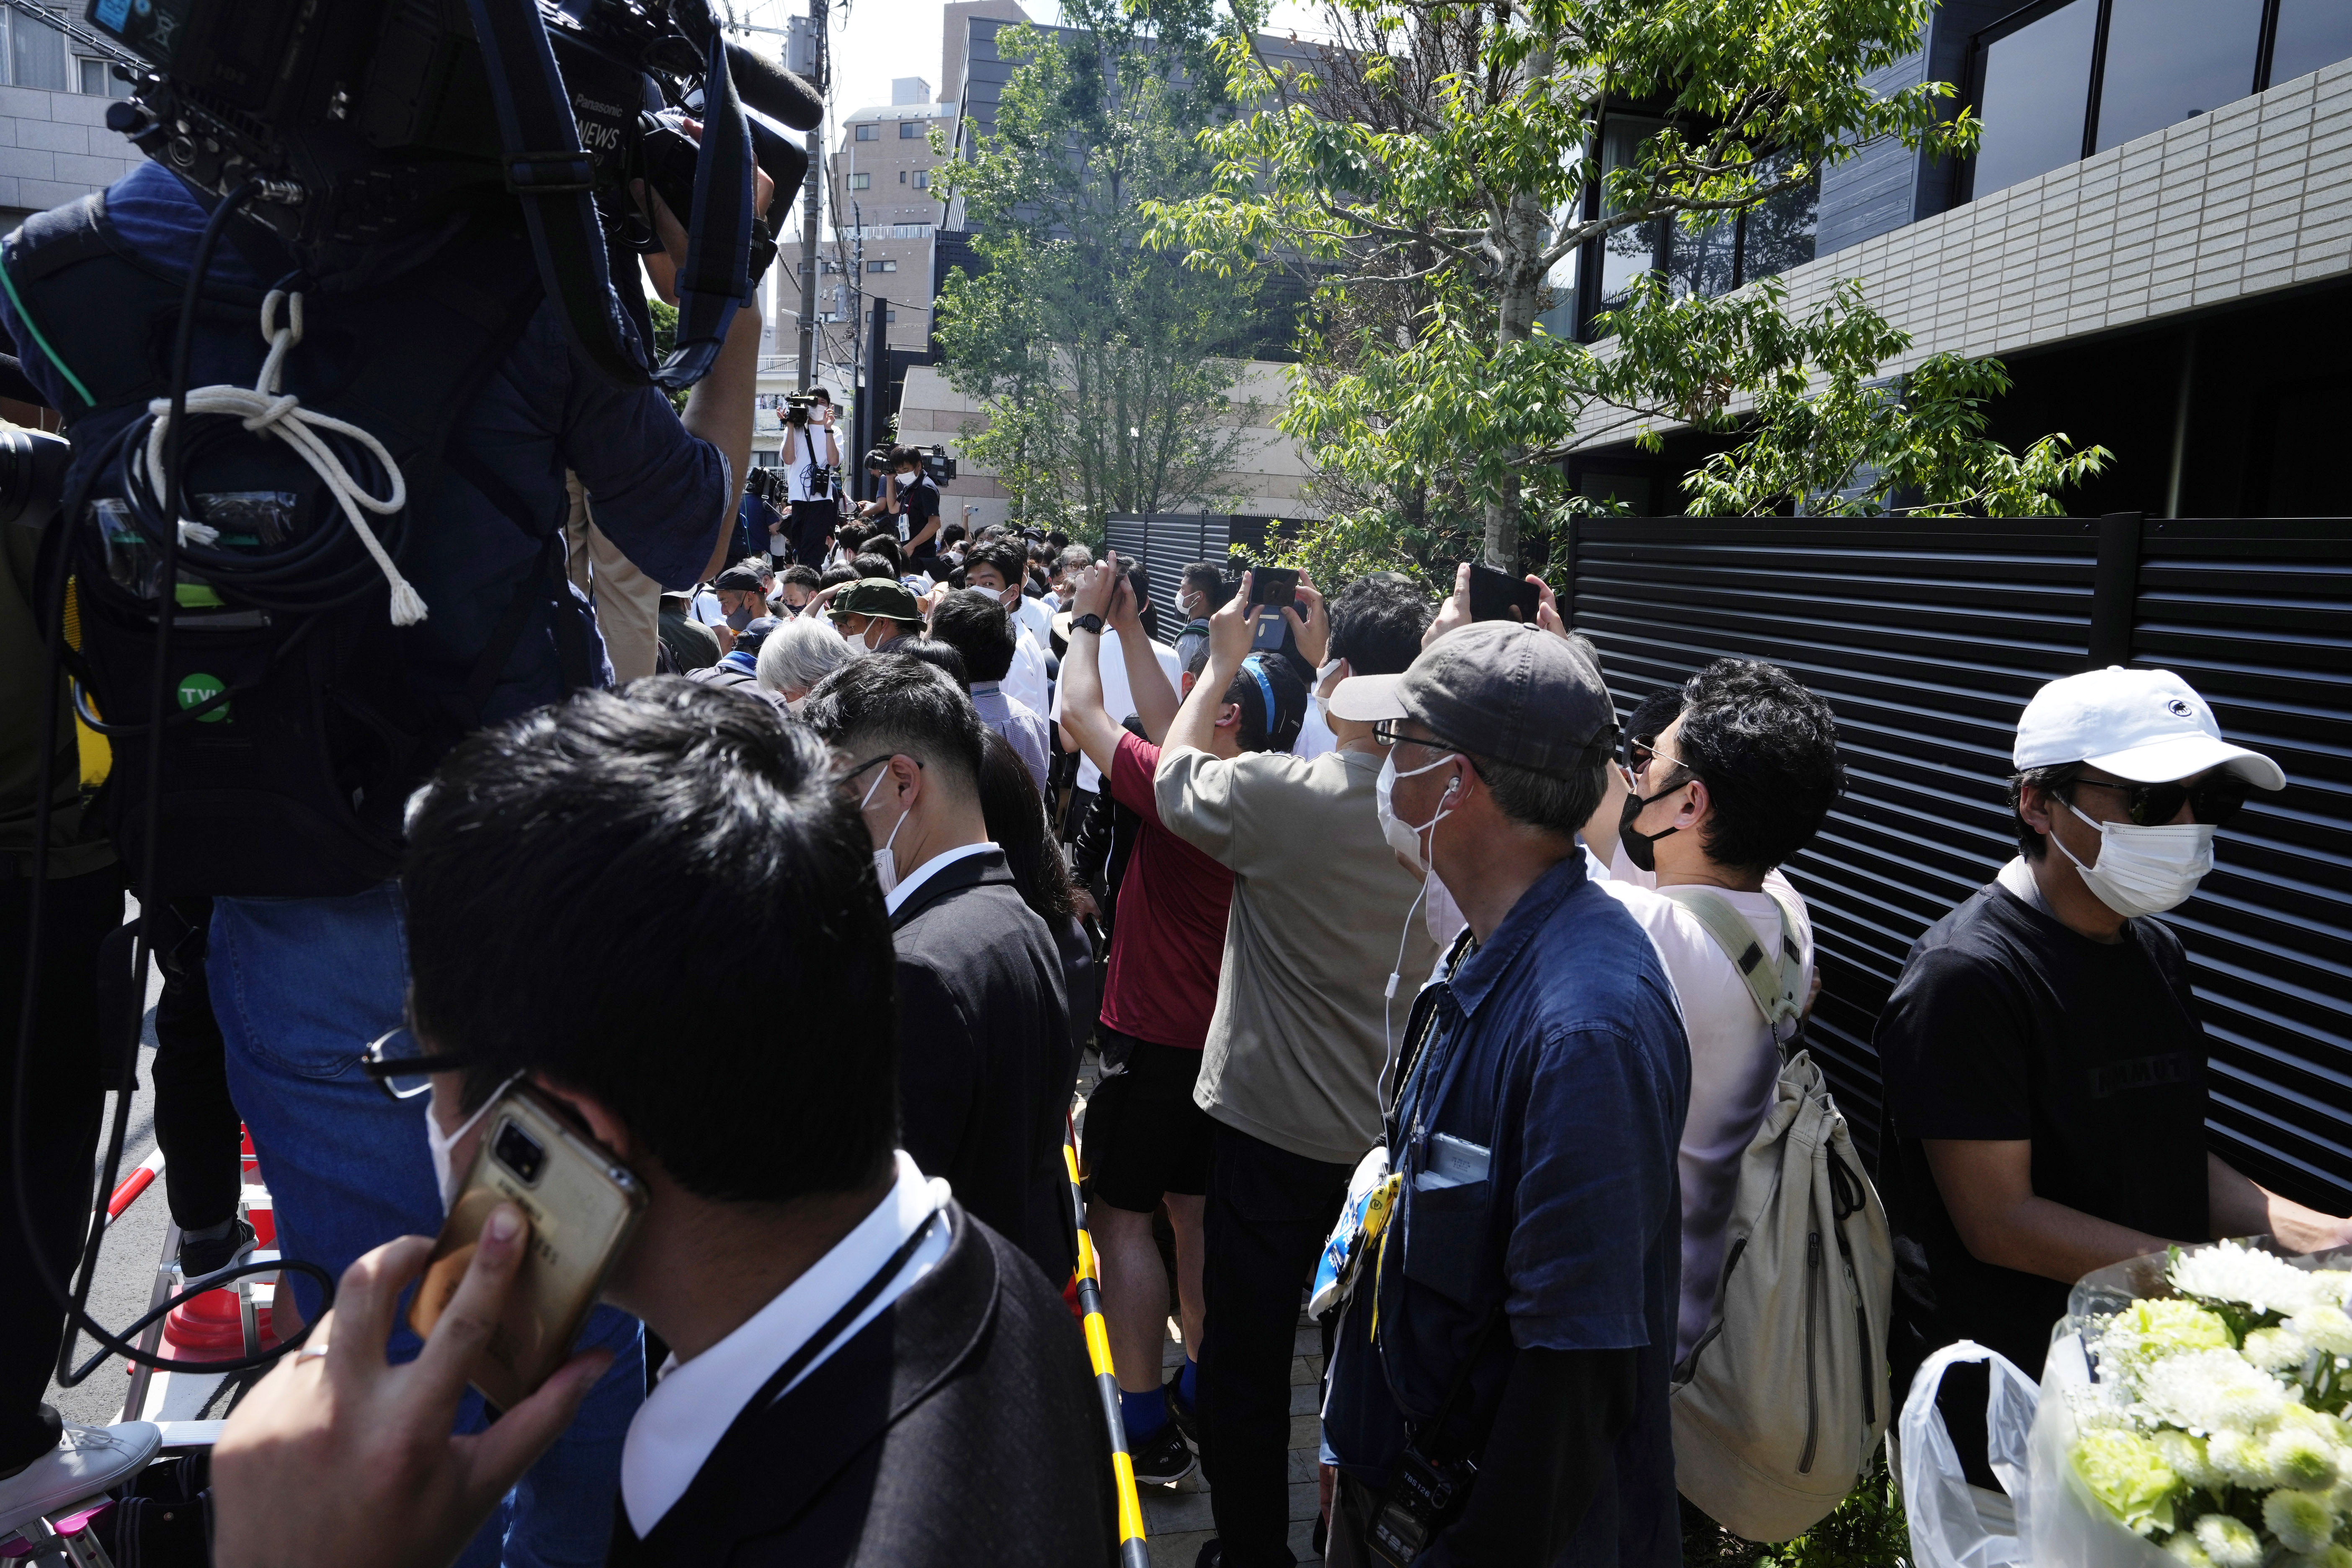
(266, 411)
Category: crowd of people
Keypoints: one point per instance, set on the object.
(1375, 931)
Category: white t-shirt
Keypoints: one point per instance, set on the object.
(705, 608)
(799, 445)
(1734, 1062)
(1315, 736)
(1118, 698)
(1033, 614)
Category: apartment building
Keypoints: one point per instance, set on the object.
(883, 216)
(2155, 237)
(53, 144)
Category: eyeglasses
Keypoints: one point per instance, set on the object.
(1639, 750)
(1386, 732)
(394, 1062)
(2212, 801)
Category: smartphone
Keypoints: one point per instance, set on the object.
(1273, 632)
(1499, 596)
(583, 1206)
(1275, 585)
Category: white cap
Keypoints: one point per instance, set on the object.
(2148, 726)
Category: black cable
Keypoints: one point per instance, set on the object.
(75, 1297)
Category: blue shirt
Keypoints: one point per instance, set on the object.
(1536, 1136)
(662, 496)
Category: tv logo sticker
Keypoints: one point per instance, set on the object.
(196, 689)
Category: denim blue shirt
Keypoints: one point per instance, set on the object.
(661, 495)
(1535, 1135)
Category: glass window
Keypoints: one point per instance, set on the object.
(861, 182)
(1779, 235)
(1626, 253)
(909, 128)
(37, 51)
(2036, 91)
(2311, 33)
(869, 133)
(902, 177)
(881, 267)
(2169, 60)
(922, 179)
(1705, 260)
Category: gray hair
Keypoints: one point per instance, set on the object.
(800, 653)
(1075, 556)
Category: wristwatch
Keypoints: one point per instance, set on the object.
(1086, 624)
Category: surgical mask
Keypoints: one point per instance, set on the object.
(1322, 678)
(441, 1145)
(1403, 837)
(2145, 870)
(886, 868)
(1441, 914)
(1638, 845)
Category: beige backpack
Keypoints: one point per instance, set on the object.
(1780, 1404)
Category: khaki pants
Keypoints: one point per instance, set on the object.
(628, 603)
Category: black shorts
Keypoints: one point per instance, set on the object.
(1145, 1138)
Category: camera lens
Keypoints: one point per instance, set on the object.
(518, 1151)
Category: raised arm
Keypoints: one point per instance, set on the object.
(1085, 720)
(1147, 683)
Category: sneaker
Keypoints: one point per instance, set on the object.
(198, 1258)
(1213, 1555)
(1181, 1416)
(87, 1460)
(1163, 1458)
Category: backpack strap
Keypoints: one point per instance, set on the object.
(1774, 988)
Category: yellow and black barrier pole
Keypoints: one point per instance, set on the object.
(1131, 1552)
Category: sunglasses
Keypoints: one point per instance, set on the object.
(2212, 800)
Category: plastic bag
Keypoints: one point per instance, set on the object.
(1948, 1529)
(2066, 1526)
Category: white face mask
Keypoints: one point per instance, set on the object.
(1403, 837)
(886, 868)
(1323, 679)
(442, 1145)
(2145, 870)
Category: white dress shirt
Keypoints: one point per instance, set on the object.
(1026, 679)
(932, 867)
(1037, 618)
(695, 1402)
(1118, 698)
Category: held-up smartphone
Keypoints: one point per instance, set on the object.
(1499, 596)
(1274, 586)
(583, 1206)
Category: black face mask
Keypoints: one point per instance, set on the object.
(1637, 844)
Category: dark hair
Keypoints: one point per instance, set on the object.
(1015, 815)
(971, 621)
(1209, 578)
(945, 658)
(1262, 730)
(1003, 555)
(900, 454)
(1653, 714)
(953, 534)
(873, 564)
(888, 703)
(1767, 749)
(879, 459)
(574, 874)
(1377, 623)
(804, 576)
(2050, 780)
(834, 576)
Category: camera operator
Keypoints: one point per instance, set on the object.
(628, 602)
(811, 449)
(945, 1418)
(1292, 1064)
(300, 985)
(1520, 1338)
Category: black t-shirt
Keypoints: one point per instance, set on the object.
(919, 503)
(2008, 1024)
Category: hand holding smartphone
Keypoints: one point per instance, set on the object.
(582, 1205)
(1499, 596)
(1274, 586)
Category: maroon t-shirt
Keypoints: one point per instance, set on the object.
(1169, 940)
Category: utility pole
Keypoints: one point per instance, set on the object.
(810, 201)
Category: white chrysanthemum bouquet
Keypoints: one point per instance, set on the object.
(2216, 1428)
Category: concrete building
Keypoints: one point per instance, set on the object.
(1268, 478)
(884, 215)
(53, 144)
(2155, 237)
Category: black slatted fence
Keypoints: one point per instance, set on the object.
(1927, 638)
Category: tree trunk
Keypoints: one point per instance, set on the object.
(1525, 232)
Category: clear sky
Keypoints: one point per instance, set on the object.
(877, 41)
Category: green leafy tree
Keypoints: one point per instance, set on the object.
(1452, 177)
(1104, 365)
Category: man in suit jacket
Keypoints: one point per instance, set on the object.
(862, 1371)
(985, 1059)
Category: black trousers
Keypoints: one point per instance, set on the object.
(196, 1123)
(1267, 1214)
(61, 1116)
(809, 525)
